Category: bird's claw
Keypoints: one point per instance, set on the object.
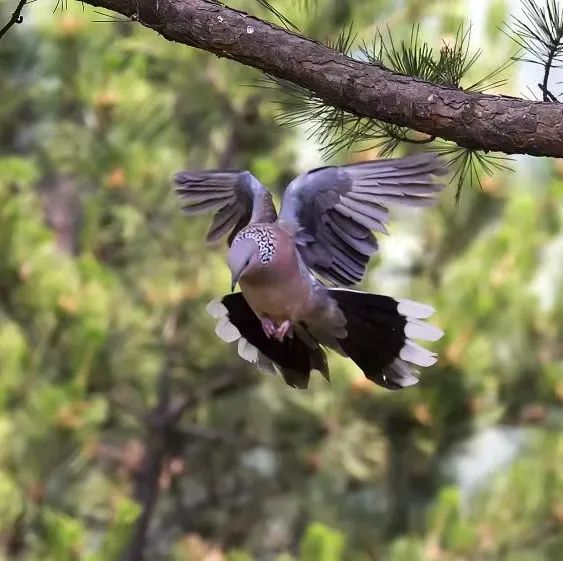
(285, 328)
(278, 332)
(269, 327)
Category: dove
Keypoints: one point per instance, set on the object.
(296, 271)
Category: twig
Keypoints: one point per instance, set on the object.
(16, 18)
(230, 381)
(547, 95)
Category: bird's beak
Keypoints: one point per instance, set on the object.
(234, 281)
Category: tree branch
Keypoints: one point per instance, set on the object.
(472, 120)
(16, 18)
(162, 430)
(148, 476)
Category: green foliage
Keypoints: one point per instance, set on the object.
(238, 555)
(321, 544)
(124, 515)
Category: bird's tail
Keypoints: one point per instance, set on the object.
(380, 333)
(293, 357)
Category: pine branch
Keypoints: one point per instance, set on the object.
(15, 19)
(338, 130)
(470, 119)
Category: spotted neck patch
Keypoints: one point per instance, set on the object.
(265, 239)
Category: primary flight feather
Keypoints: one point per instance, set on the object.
(294, 270)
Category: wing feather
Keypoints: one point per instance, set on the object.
(366, 248)
(236, 197)
(334, 210)
(359, 249)
(205, 206)
(342, 254)
(223, 222)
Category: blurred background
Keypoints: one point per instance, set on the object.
(129, 431)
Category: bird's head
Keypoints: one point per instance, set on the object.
(243, 259)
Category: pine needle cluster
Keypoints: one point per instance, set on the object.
(336, 129)
(539, 34)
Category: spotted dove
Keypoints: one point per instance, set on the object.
(294, 270)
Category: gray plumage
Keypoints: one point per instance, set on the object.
(324, 231)
(237, 198)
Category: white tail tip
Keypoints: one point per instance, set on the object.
(216, 309)
(226, 330)
(417, 355)
(416, 329)
(413, 309)
(247, 351)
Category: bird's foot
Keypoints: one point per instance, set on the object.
(284, 329)
(269, 327)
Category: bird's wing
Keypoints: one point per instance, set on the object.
(236, 197)
(333, 210)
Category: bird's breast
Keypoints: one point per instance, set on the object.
(278, 293)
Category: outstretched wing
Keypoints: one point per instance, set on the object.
(333, 210)
(236, 197)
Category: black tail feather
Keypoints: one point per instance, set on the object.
(378, 336)
(294, 358)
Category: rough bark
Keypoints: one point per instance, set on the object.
(472, 120)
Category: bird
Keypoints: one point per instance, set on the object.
(297, 270)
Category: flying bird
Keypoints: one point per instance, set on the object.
(295, 269)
